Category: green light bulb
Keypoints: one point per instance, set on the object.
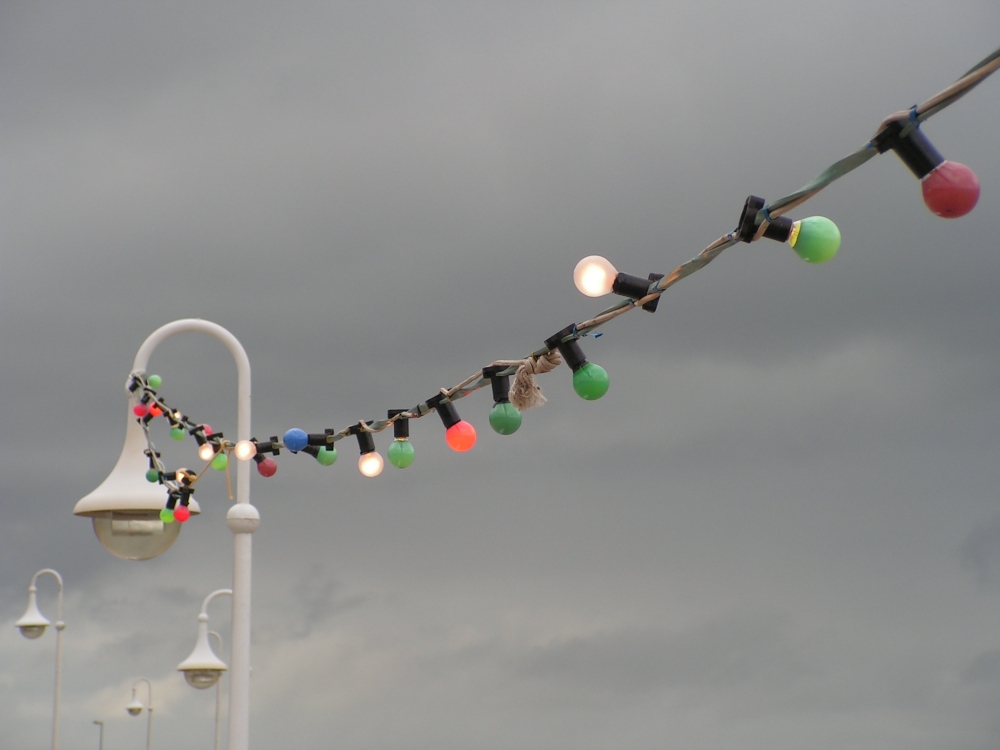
(167, 515)
(326, 456)
(401, 453)
(220, 462)
(152, 475)
(154, 381)
(590, 382)
(177, 433)
(505, 418)
(815, 239)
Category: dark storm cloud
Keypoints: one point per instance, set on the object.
(378, 199)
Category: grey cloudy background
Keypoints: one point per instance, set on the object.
(780, 527)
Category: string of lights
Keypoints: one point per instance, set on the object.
(949, 189)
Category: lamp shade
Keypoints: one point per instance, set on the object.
(202, 668)
(33, 623)
(125, 508)
(134, 706)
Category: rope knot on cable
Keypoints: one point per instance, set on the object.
(524, 391)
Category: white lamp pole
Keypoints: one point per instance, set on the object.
(33, 624)
(135, 707)
(100, 742)
(203, 668)
(141, 518)
(218, 696)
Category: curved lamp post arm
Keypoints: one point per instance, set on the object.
(59, 626)
(149, 709)
(242, 519)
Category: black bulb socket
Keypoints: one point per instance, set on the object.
(914, 148)
(312, 450)
(366, 443)
(401, 427)
(570, 350)
(445, 409)
(320, 439)
(779, 229)
(499, 383)
(172, 501)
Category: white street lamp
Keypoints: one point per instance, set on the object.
(123, 509)
(126, 512)
(203, 668)
(135, 707)
(32, 625)
(100, 742)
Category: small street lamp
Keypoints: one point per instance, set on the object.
(135, 707)
(32, 625)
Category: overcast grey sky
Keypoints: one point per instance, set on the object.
(778, 530)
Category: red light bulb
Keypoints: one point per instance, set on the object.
(155, 410)
(950, 190)
(181, 513)
(267, 467)
(140, 410)
(207, 428)
(461, 436)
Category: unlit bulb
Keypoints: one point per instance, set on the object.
(594, 276)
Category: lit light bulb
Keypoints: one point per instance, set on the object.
(245, 450)
(594, 276)
(461, 436)
(206, 451)
(370, 464)
(950, 190)
(815, 239)
(458, 434)
(155, 410)
(295, 439)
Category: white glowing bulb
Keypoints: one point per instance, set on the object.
(594, 276)
(206, 452)
(245, 450)
(370, 464)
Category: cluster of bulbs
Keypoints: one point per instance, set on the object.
(949, 189)
(459, 435)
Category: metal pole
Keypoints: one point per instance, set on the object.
(59, 626)
(242, 519)
(218, 696)
(100, 723)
